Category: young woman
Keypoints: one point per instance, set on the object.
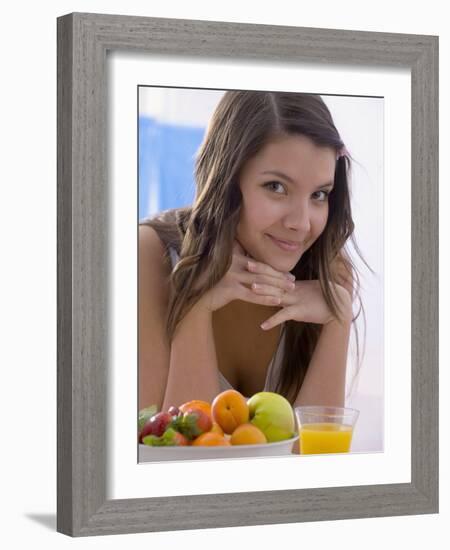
(251, 287)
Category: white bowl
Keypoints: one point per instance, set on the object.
(157, 454)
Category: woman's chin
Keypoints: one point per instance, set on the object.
(279, 265)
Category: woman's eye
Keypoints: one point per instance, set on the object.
(321, 195)
(275, 186)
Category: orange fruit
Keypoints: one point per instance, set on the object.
(210, 439)
(229, 409)
(247, 434)
(196, 404)
(216, 429)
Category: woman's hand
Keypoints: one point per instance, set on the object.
(236, 284)
(306, 303)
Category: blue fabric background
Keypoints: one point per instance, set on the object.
(166, 159)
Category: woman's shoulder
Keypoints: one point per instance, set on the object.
(169, 217)
(151, 246)
(149, 238)
(169, 226)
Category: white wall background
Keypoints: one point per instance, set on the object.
(183, 107)
(28, 277)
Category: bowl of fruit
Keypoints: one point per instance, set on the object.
(229, 427)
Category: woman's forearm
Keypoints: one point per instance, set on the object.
(324, 382)
(193, 369)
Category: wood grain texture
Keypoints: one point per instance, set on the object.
(424, 274)
(64, 277)
(83, 315)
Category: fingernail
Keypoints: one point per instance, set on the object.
(264, 325)
(251, 265)
(290, 276)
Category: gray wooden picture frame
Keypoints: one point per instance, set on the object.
(83, 196)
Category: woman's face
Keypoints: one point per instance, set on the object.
(285, 191)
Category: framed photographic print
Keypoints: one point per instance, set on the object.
(136, 101)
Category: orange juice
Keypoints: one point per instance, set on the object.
(325, 437)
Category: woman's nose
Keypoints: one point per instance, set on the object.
(298, 218)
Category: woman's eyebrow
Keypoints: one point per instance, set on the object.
(290, 180)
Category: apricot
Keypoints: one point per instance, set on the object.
(210, 439)
(196, 404)
(229, 409)
(247, 434)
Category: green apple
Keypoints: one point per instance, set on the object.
(273, 415)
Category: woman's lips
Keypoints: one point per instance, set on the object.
(289, 246)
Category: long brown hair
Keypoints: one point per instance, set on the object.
(203, 234)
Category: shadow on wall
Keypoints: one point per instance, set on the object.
(47, 520)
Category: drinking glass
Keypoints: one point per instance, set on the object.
(325, 429)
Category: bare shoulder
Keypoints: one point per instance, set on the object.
(152, 252)
(154, 272)
(149, 240)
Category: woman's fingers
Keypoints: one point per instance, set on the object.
(268, 290)
(264, 272)
(280, 317)
(264, 269)
(262, 280)
(266, 281)
(265, 300)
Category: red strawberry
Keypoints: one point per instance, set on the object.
(192, 423)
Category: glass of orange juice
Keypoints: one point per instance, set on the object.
(325, 429)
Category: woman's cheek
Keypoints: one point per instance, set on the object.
(321, 222)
